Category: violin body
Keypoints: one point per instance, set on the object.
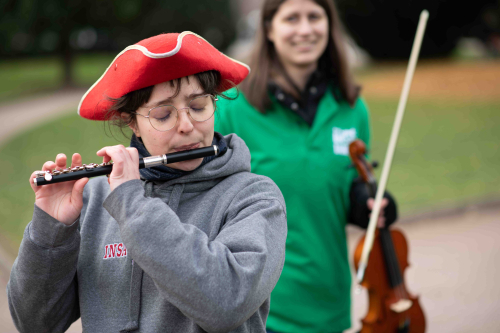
(389, 310)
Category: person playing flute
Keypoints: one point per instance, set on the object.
(196, 246)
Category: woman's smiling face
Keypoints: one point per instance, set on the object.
(186, 134)
(299, 31)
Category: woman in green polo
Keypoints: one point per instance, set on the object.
(298, 111)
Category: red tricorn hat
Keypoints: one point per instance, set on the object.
(155, 60)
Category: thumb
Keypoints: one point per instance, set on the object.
(370, 203)
(385, 202)
(77, 192)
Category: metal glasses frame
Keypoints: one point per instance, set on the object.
(214, 98)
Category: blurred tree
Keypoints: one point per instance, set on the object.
(386, 28)
(63, 27)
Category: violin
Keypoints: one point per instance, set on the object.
(392, 309)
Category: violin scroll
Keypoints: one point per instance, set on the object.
(357, 152)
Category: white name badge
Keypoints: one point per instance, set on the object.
(341, 140)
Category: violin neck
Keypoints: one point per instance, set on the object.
(372, 188)
(389, 253)
(390, 258)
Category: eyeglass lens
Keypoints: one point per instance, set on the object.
(164, 117)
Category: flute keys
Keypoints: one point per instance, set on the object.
(47, 175)
(40, 174)
(91, 166)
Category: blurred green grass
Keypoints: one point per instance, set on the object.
(447, 152)
(25, 77)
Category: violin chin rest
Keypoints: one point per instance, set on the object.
(401, 306)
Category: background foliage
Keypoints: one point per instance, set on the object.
(64, 27)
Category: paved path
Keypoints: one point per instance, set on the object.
(452, 257)
(20, 115)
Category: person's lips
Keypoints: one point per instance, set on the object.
(304, 46)
(187, 147)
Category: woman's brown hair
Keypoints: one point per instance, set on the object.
(265, 62)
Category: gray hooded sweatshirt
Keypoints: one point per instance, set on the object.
(200, 253)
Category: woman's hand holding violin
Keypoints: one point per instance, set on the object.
(381, 217)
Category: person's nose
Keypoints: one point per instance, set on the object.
(305, 27)
(185, 124)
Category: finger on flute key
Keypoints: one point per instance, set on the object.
(61, 161)
(49, 166)
(76, 160)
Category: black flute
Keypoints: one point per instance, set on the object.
(94, 170)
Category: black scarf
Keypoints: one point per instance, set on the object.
(163, 172)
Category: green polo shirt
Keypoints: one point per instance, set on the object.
(310, 164)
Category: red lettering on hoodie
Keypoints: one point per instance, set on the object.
(112, 250)
(106, 252)
(116, 250)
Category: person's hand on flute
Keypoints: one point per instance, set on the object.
(62, 201)
(125, 164)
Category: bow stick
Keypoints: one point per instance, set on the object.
(370, 233)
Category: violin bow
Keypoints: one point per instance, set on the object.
(370, 233)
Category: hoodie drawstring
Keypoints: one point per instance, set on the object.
(175, 197)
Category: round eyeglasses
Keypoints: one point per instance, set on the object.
(164, 117)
